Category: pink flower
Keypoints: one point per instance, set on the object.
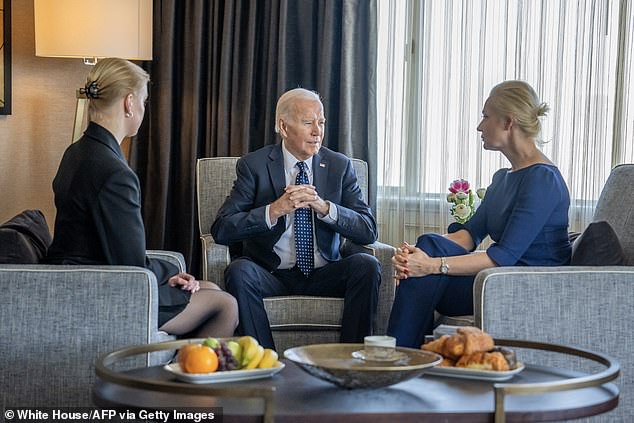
(459, 185)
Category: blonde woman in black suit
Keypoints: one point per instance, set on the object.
(98, 202)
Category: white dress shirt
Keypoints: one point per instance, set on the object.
(285, 246)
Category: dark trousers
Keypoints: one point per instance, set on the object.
(416, 299)
(355, 278)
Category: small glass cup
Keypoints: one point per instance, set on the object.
(379, 347)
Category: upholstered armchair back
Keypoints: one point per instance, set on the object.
(615, 207)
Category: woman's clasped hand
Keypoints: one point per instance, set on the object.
(411, 261)
(186, 282)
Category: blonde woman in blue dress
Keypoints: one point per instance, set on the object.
(525, 212)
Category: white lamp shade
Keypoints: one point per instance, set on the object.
(94, 28)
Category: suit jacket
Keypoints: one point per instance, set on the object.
(98, 221)
(260, 181)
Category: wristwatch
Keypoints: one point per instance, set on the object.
(444, 267)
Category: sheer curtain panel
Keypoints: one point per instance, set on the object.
(438, 61)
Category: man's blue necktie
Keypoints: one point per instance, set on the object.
(303, 226)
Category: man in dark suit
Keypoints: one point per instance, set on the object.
(289, 207)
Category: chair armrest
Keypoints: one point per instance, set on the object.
(75, 314)
(569, 304)
(384, 254)
(177, 259)
(580, 306)
(121, 301)
(215, 258)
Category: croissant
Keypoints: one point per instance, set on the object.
(466, 340)
(447, 362)
(437, 345)
(471, 348)
(484, 361)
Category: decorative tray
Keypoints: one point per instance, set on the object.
(343, 365)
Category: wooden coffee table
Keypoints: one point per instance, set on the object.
(295, 396)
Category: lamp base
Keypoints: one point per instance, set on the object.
(80, 117)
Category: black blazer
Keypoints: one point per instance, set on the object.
(98, 221)
(260, 181)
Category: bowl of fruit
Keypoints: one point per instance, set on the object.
(214, 360)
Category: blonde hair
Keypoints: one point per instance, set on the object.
(287, 101)
(110, 80)
(519, 100)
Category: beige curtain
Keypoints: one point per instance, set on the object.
(439, 59)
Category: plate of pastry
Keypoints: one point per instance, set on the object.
(470, 353)
(474, 373)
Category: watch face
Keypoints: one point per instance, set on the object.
(444, 269)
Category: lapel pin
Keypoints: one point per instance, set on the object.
(322, 164)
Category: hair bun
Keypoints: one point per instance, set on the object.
(542, 109)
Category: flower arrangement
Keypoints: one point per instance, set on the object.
(462, 199)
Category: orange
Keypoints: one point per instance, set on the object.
(198, 358)
(182, 353)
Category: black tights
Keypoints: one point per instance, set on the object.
(210, 312)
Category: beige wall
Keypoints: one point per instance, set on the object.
(34, 136)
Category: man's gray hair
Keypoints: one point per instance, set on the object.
(287, 101)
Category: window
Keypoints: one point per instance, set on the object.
(437, 61)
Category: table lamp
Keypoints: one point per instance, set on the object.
(92, 29)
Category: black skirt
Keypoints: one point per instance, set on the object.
(172, 300)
